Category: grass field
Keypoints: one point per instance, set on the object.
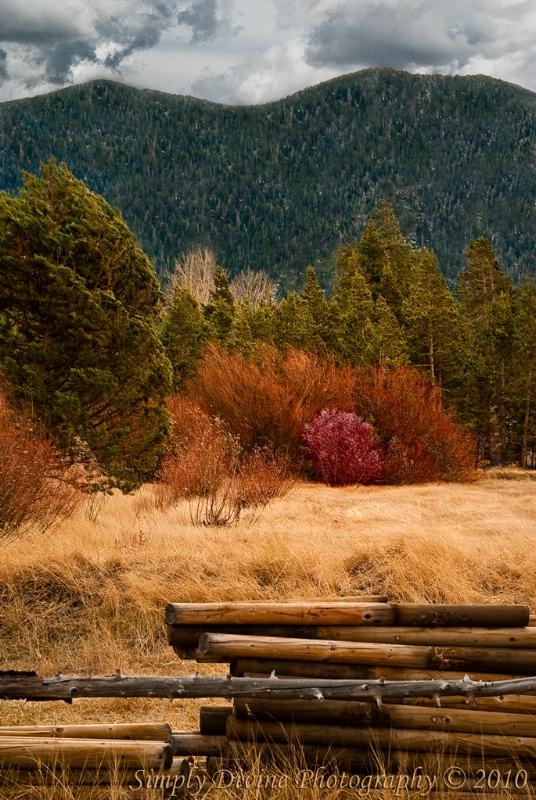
(89, 598)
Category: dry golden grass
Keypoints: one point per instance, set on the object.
(89, 598)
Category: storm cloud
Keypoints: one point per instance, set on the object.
(253, 51)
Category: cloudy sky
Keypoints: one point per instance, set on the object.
(253, 51)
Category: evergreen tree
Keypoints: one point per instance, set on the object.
(79, 305)
(294, 325)
(525, 368)
(355, 334)
(432, 321)
(183, 333)
(486, 298)
(392, 345)
(219, 311)
(318, 307)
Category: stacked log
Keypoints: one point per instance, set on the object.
(91, 755)
(368, 639)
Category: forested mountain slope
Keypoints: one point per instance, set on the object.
(279, 186)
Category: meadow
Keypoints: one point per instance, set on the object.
(88, 598)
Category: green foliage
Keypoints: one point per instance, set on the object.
(219, 311)
(183, 333)
(79, 305)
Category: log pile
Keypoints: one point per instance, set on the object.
(91, 756)
(369, 639)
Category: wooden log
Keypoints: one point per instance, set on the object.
(292, 613)
(98, 777)
(314, 670)
(185, 743)
(228, 647)
(318, 688)
(213, 720)
(340, 712)
(187, 636)
(152, 732)
(341, 613)
(337, 712)
(361, 759)
(384, 738)
(83, 753)
(512, 704)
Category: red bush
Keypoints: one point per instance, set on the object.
(421, 442)
(341, 448)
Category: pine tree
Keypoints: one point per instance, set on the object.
(318, 307)
(183, 333)
(525, 367)
(432, 322)
(486, 298)
(219, 311)
(79, 305)
(355, 334)
(392, 345)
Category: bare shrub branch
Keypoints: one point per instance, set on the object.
(255, 288)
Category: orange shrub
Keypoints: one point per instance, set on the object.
(207, 466)
(266, 402)
(421, 442)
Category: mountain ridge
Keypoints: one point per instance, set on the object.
(277, 186)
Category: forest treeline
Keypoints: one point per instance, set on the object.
(390, 307)
(277, 187)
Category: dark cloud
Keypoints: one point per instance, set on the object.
(53, 40)
(202, 17)
(401, 37)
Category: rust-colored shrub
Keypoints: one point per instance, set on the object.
(266, 402)
(37, 487)
(421, 442)
(207, 466)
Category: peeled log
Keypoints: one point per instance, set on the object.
(292, 613)
(187, 637)
(346, 613)
(312, 669)
(338, 712)
(385, 738)
(152, 732)
(29, 752)
(228, 647)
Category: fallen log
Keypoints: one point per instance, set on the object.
(228, 647)
(344, 613)
(315, 670)
(153, 732)
(513, 704)
(65, 688)
(340, 712)
(385, 738)
(187, 636)
(30, 752)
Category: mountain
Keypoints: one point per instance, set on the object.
(279, 186)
